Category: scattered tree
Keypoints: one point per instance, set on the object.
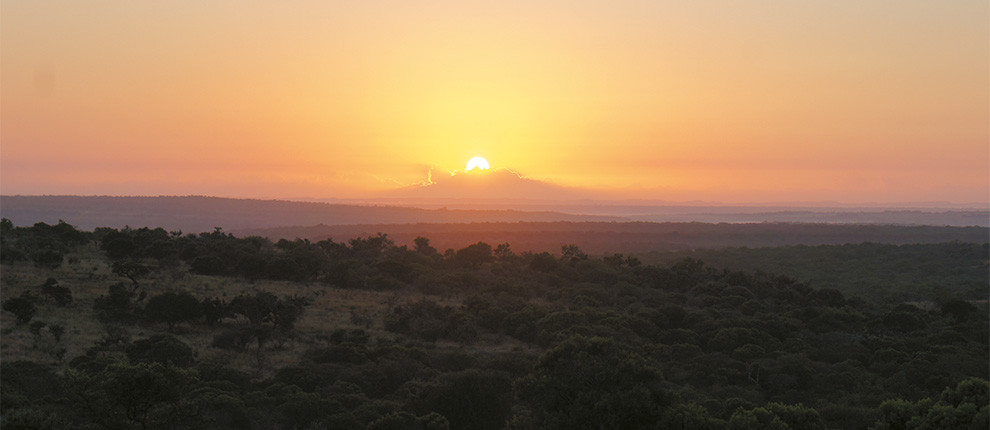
(22, 307)
(172, 308)
(51, 290)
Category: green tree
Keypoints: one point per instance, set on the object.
(118, 245)
(423, 247)
(473, 256)
(407, 421)
(471, 399)
(130, 269)
(117, 305)
(160, 348)
(960, 310)
(22, 307)
(593, 383)
(756, 418)
(571, 254)
(50, 290)
(689, 416)
(964, 406)
(172, 308)
(215, 309)
(47, 258)
(141, 395)
(267, 314)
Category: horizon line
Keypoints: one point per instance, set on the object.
(985, 206)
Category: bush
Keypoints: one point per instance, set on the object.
(208, 265)
(472, 399)
(430, 321)
(47, 258)
(117, 305)
(407, 421)
(233, 340)
(162, 348)
(593, 383)
(172, 308)
(22, 307)
(60, 295)
(349, 353)
(353, 336)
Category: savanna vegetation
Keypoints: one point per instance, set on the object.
(150, 329)
(879, 272)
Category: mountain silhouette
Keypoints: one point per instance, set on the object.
(201, 213)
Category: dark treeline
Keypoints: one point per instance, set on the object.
(603, 343)
(875, 271)
(638, 237)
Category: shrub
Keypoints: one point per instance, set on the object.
(47, 258)
(22, 307)
(161, 348)
(233, 340)
(117, 305)
(50, 290)
(172, 308)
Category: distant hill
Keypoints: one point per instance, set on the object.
(937, 213)
(958, 218)
(198, 214)
(634, 237)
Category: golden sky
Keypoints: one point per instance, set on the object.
(756, 101)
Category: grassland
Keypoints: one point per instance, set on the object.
(89, 275)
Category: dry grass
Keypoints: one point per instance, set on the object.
(331, 309)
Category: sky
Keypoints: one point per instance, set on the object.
(723, 101)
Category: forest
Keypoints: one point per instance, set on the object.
(144, 328)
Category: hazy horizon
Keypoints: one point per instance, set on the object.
(511, 203)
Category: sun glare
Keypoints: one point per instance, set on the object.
(477, 162)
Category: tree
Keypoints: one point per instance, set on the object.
(756, 418)
(689, 416)
(143, 395)
(503, 252)
(267, 314)
(160, 348)
(543, 262)
(172, 308)
(258, 308)
(423, 247)
(208, 265)
(47, 258)
(960, 310)
(118, 245)
(117, 305)
(407, 421)
(370, 249)
(473, 256)
(60, 295)
(129, 269)
(472, 399)
(571, 254)
(22, 307)
(214, 310)
(964, 406)
(593, 383)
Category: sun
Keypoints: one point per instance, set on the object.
(478, 163)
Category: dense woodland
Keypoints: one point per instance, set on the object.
(151, 329)
(873, 271)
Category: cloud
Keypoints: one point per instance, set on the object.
(495, 184)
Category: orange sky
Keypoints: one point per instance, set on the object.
(850, 101)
